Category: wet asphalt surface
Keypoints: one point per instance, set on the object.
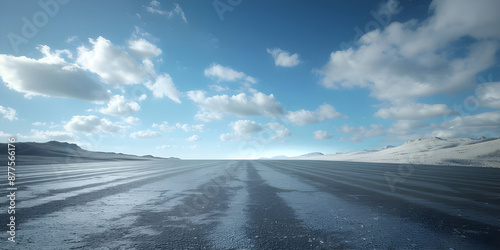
(254, 205)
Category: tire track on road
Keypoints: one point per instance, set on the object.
(441, 222)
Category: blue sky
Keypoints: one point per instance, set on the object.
(247, 79)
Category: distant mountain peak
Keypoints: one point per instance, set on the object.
(312, 154)
(54, 152)
(64, 144)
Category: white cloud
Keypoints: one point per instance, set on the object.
(39, 135)
(154, 8)
(415, 111)
(303, 117)
(280, 133)
(8, 113)
(191, 128)
(131, 120)
(86, 124)
(145, 134)
(279, 130)
(193, 138)
(186, 127)
(244, 127)
(4, 136)
(322, 135)
(275, 125)
(49, 76)
(218, 88)
(283, 58)
(361, 132)
(164, 86)
(208, 116)
(143, 49)
(166, 146)
(71, 39)
(406, 126)
(164, 126)
(483, 123)
(258, 104)
(91, 124)
(39, 123)
(414, 59)
(118, 106)
(177, 11)
(489, 95)
(242, 130)
(109, 127)
(155, 3)
(142, 97)
(113, 64)
(222, 73)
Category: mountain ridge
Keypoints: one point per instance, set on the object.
(56, 152)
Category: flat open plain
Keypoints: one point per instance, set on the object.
(261, 204)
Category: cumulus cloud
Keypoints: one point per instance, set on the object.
(244, 127)
(483, 123)
(487, 124)
(143, 49)
(8, 113)
(322, 135)
(208, 116)
(222, 73)
(242, 104)
(118, 106)
(164, 126)
(489, 95)
(304, 117)
(415, 111)
(47, 135)
(193, 138)
(361, 132)
(164, 86)
(5, 136)
(283, 58)
(404, 127)
(191, 128)
(218, 88)
(280, 133)
(131, 120)
(113, 64)
(145, 134)
(279, 130)
(406, 61)
(166, 146)
(242, 130)
(49, 76)
(186, 127)
(91, 124)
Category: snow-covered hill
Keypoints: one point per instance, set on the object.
(481, 152)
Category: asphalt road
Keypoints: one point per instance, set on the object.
(253, 205)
